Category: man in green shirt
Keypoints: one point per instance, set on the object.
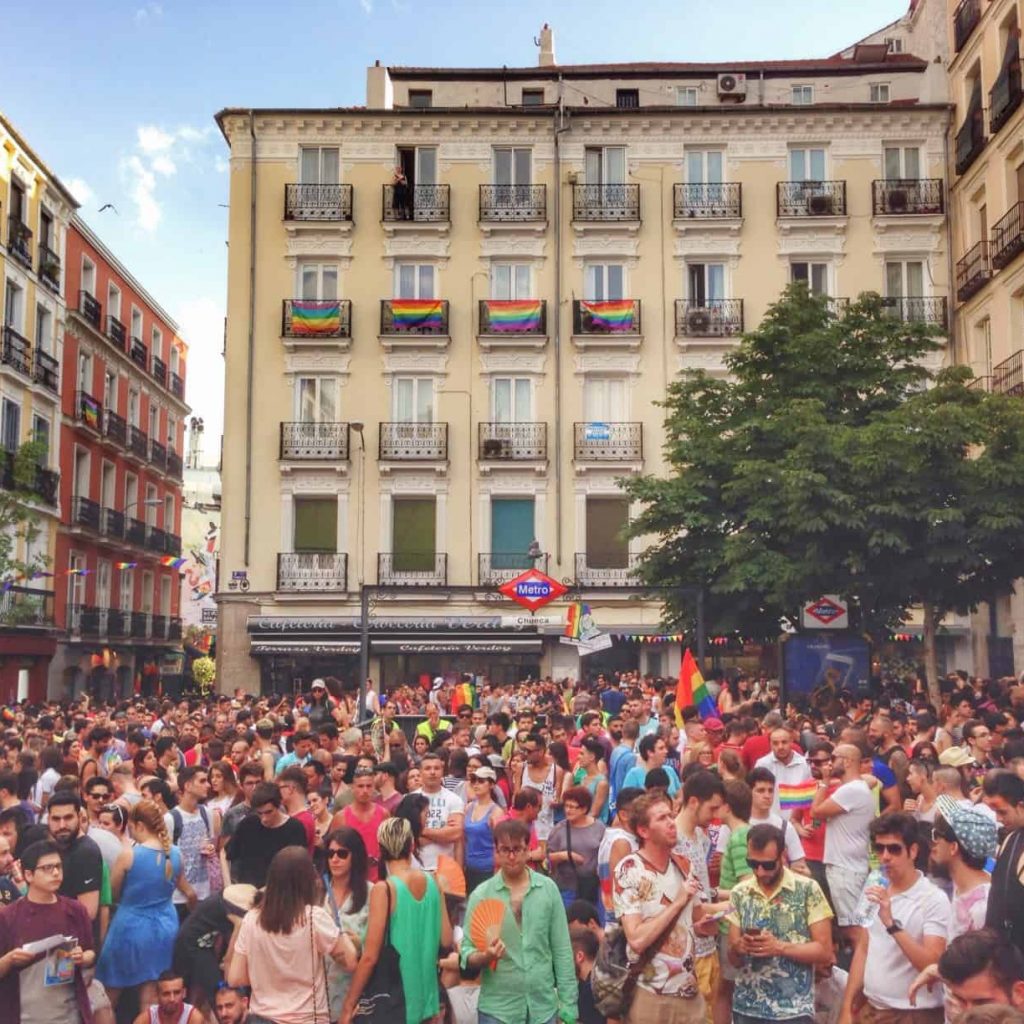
(433, 724)
(533, 977)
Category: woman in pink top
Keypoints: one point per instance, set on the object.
(281, 941)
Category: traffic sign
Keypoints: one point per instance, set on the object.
(827, 612)
(533, 589)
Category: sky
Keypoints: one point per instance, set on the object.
(118, 97)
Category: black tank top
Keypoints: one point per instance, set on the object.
(1006, 900)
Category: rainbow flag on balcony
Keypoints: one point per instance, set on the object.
(311, 317)
(514, 316)
(417, 314)
(90, 412)
(615, 315)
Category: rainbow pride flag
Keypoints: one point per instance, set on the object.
(90, 411)
(417, 314)
(614, 315)
(312, 317)
(691, 690)
(125, 565)
(514, 316)
(172, 562)
(798, 796)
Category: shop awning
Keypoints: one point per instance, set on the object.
(304, 647)
(445, 645)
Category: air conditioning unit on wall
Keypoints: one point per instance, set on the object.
(732, 84)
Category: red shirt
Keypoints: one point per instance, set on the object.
(368, 830)
(754, 748)
(305, 819)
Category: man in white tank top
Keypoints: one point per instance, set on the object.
(544, 776)
(171, 1007)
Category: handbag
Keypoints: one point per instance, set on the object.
(588, 887)
(383, 999)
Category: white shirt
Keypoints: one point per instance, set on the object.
(789, 773)
(794, 848)
(443, 805)
(846, 838)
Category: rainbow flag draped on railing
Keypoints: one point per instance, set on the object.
(514, 316)
(90, 412)
(315, 317)
(615, 315)
(417, 314)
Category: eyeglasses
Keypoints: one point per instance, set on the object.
(341, 853)
(97, 794)
(511, 851)
(51, 869)
(764, 865)
(893, 848)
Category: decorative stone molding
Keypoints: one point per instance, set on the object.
(414, 360)
(608, 342)
(306, 239)
(429, 244)
(319, 360)
(513, 361)
(824, 236)
(415, 342)
(606, 239)
(413, 482)
(509, 245)
(516, 478)
(714, 247)
(607, 362)
(513, 345)
(316, 482)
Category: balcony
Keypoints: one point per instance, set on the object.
(898, 196)
(707, 201)
(1008, 236)
(46, 371)
(49, 267)
(45, 484)
(157, 455)
(174, 465)
(119, 623)
(25, 608)
(139, 354)
(315, 571)
(17, 351)
(318, 202)
(312, 319)
(605, 203)
(513, 442)
(159, 371)
(497, 567)
(135, 532)
(38, 480)
(138, 443)
(607, 569)
(970, 139)
(19, 240)
(112, 523)
(608, 442)
(85, 512)
(177, 385)
(159, 627)
(513, 204)
(1008, 376)
(810, 199)
(413, 442)
(174, 628)
(88, 411)
(965, 21)
(1005, 96)
(90, 308)
(115, 428)
(972, 271)
(712, 318)
(314, 441)
(404, 317)
(172, 544)
(981, 384)
(412, 568)
(507, 318)
(117, 333)
(86, 620)
(606, 316)
(141, 625)
(420, 204)
(156, 540)
(915, 309)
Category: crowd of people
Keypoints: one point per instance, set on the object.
(522, 854)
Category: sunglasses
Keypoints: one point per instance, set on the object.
(821, 760)
(894, 848)
(764, 865)
(341, 854)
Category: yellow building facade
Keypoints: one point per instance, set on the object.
(451, 314)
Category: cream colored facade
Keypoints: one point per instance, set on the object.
(661, 184)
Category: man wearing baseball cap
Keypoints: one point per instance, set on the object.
(963, 842)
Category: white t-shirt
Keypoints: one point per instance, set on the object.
(200, 883)
(797, 770)
(44, 787)
(110, 846)
(922, 910)
(443, 805)
(794, 848)
(846, 838)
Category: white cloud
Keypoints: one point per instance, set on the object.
(81, 190)
(157, 153)
(367, 6)
(150, 11)
(152, 139)
(220, 165)
(141, 184)
(202, 325)
(164, 165)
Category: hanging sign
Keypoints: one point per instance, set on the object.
(533, 589)
(827, 612)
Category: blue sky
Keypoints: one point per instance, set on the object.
(118, 97)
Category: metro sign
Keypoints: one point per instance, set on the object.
(826, 612)
(533, 589)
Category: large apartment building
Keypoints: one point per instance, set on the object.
(451, 313)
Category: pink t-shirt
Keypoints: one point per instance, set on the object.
(368, 830)
(281, 966)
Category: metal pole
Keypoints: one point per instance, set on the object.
(702, 639)
(364, 648)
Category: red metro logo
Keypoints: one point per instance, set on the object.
(825, 610)
(533, 589)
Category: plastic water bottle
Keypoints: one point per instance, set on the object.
(867, 910)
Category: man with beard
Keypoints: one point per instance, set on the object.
(1004, 794)
(83, 863)
(232, 1006)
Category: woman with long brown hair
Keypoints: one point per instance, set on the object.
(346, 899)
(282, 940)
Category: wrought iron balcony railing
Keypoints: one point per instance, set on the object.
(85, 512)
(1008, 376)
(138, 443)
(402, 442)
(918, 309)
(318, 202)
(172, 544)
(174, 465)
(510, 317)
(311, 319)
(312, 570)
(16, 351)
(156, 540)
(712, 318)
(907, 195)
(25, 608)
(117, 333)
(49, 267)
(414, 316)
(159, 627)
(157, 455)
(970, 139)
(1005, 95)
(605, 202)
(135, 532)
(46, 371)
(412, 568)
(87, 620)
(981, 384)
(90, 308)
(112, 523)
(606, 316)
(142, 625)
(314, 441)
(177, 385)
(513, 442)
(174, 628)
(46, 483)
(701, 201)
(19, 240)
(43, 483)
(139, 353)
(596, 441)
(88, 411)
(497, 567)
(607, 569)
(159, 371)
(965, 21)
(417, 203)
(973, 269)
(119, 623)
(114, 427)
(810, 198)
(1008, 236)
(515, 203)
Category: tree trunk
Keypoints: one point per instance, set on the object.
(931, 661)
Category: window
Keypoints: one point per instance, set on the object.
(114, 301)
(802, 95)
(150, 505)
(704, 166)
(627, 98)
(147, 593)
(414, 281)
(133, 408)
(878, 92)
(705, 282)
(41, 435)
(169, 513)
(605, 165)
(154, 418)
(604, 400)
(421, 98)
(85, 372)
(513, 166)
(419, 164)
(607, 519)
(319, 165)
(807, 164)
(110, 390)
(511, 399)
(157, 343)
(131, 495)
(316, 400)
(904, 278)
(894, 43)
(982, 361)
(14, 305)
(44, 330)
(17, 201)
(687, 96)
(46, 236)
(533, 97)
(413, 399)
(10, 425)
(902, 162)
(318, 280)
(510, 281)
(76, 583)
(172, 433)
(814, 275)
(88, 276)
(512, 532)
(605, 281)
(108, 482)
(175, 358)
(80, 478)
(102, 584)
(125, 588)
(165, 595)
(413, 534)
(136, 323)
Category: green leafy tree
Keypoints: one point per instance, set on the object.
(19, 527)
(204, 671)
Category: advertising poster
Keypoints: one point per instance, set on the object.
(813, 664)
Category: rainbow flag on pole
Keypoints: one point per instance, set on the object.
(798, 796)
(417, 314)
(691, 690)
(514, 316)
(172, 562)
(614, 315)
(312, 317)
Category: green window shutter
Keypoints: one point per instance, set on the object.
(511, 532)
(316, 524)
(607, 547)
(413, 536)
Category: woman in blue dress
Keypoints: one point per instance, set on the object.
(140, 942)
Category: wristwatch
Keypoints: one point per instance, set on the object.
(894, 927)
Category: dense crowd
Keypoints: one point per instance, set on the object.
(520, 854)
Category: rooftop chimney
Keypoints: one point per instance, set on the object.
(547, 47)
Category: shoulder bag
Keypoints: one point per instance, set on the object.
(383, 999)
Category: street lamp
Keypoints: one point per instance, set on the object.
(147, 502)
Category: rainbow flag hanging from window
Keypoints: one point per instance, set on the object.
(417, 314)
(312, 317)
(90, 411)
(514, 316)
(614, 315)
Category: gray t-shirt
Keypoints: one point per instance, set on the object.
(585, 841)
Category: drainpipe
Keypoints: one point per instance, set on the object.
(559, 128)
(252, 338)
(950, 271)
